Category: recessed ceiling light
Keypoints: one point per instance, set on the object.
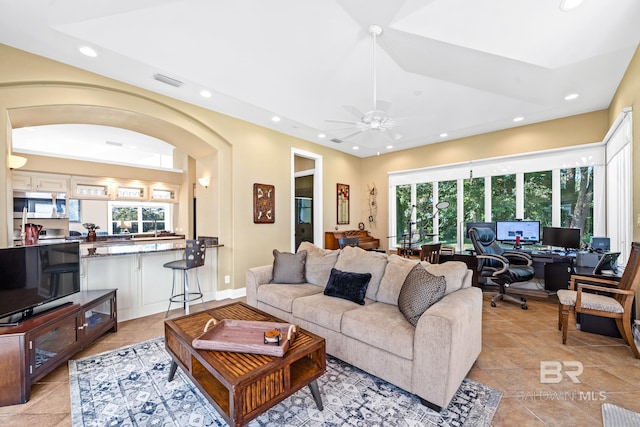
(389, 147)
(322, 135)
(355, 147)
(444, 135)
(566, 5)
(571, 96)
(205, 93)
(88, 51)
(275, 119)
(518, 119)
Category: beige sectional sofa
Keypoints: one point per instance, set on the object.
(429, 360)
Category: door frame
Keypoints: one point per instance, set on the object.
(317, 196)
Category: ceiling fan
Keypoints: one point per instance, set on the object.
(375, 120)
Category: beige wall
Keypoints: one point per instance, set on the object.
(35, 90)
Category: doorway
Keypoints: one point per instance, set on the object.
(306, 189)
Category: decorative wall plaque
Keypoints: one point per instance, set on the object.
(343, 203)
(264, 204)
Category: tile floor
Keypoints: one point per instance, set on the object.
(515, 341)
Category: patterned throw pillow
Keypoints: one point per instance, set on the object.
(288, 268)
(420, 291)
(348, 285)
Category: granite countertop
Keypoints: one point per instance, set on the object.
(102, 249)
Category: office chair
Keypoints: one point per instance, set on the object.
(502, 267)
(347, 241)
(431, 253)
(614, 301)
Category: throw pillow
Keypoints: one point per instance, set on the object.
(348, 285)
(288, 268)
(420, 291)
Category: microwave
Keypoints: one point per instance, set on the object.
(40, 204)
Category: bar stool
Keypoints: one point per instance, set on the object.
(194, 253)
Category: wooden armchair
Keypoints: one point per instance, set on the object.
(431, 253)
(616, 304)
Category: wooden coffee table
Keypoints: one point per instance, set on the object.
(242, 386)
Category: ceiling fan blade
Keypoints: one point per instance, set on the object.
(353, 110)
(343, 121)
(392, 138)
(341, 129)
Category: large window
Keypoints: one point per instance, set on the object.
(135, 217)
(556, 196)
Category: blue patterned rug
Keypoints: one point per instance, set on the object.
(128, 387)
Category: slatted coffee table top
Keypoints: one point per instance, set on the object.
(237, 366)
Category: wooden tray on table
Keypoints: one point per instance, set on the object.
(245, 336)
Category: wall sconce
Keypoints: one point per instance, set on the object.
(204, 181)
(15, 162)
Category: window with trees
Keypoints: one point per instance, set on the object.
(556, 196)
(134, 217)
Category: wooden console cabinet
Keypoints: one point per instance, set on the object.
(35, 347)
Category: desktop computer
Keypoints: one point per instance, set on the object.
(600, 244)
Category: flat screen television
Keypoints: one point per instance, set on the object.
(31, 276)
(508, 231)
(470, 225)
(562, 237)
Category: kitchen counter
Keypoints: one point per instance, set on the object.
(98, 249)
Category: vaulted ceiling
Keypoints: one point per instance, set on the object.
(454, 67)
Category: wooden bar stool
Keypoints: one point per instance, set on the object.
(194, 253)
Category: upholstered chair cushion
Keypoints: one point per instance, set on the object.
(289, 268)
(420, 291)
(590, 301)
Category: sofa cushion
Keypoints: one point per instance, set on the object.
(319, 263)
(348, 285)
(282, 296)
(420, 291)
(380, 325)
(397, 270)
(323, 310)
(357, 260)
(288, 267)
(454, 273)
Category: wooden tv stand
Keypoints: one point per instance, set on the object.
(36, 346)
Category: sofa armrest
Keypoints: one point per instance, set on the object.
(448, 340)
(255, 277)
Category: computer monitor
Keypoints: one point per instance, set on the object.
(562, 237)
(470, 225)
(509, 231)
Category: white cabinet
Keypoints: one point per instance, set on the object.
(163, 193)
(29, 181)
(91, 188)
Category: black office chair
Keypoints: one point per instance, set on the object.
(347, 241)
(502, 267)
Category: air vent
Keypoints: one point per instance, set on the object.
(336, 140)
(117, 144)
(167, 80)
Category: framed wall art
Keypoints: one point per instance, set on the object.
(343, 203)
(264, 204)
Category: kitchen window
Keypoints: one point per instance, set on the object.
(134, 217)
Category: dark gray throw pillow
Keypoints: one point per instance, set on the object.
(420, 291)
(348, 285)
(289, 268)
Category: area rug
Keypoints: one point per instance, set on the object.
(128, 387)
(615, 416)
